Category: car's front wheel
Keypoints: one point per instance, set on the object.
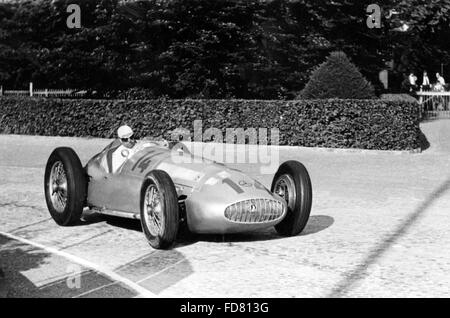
(65, 186)
(293, 184)
(159, 210)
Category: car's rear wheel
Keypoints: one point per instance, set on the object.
(292, 183)
(65, 186)
(159, 210)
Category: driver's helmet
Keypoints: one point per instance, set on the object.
(124, 132)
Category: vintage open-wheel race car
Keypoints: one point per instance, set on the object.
(146, 180)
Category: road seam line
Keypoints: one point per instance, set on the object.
(161, 271)
(111, 274)
(94, 290)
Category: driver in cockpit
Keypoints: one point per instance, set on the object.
(119, 150)
(124, 133)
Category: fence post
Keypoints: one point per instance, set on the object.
(1, 90)
(46, 92)
(422, 108)
(31, 89)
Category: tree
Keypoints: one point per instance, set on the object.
(337, 77)
(424, 45)
(211, 49)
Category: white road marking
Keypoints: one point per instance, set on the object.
(143, 292)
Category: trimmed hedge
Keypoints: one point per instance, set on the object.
(399, 97)
(337, 77)
(365, 124)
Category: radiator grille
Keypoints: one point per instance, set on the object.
(255, 211)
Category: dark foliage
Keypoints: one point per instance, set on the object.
(399, 97)
(367, 124)
(337, 77)
(248, 49)
(135, 93)
(424, 45)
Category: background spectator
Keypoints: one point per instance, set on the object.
(412, 82)
(440, 83)
(425, 81)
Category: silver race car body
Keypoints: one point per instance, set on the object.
(212, 197)
(168, 187)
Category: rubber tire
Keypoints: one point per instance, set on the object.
(170, 208)
(295, 220)
(76, 186)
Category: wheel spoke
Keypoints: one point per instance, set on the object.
(157, 216)
(61, 199)
(156, 222)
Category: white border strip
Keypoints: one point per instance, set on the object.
(142, 292)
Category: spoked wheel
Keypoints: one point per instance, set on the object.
(58, 187)
(153, 210)
(159, 210)
(293, 184)
(65, 186)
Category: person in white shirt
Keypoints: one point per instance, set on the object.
(440, 84)
(440, 79)
(412, 79)
(412, 82)
(425, 81)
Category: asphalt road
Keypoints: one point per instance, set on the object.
(380, 227)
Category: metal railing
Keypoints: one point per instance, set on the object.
(434, 104)
(43, 92)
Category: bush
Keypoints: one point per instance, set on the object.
(399, 97)
(135, 93)
(337, 77)
(367, 124)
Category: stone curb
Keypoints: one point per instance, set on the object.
(361, 151)
(322, 149)
(332, 150)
